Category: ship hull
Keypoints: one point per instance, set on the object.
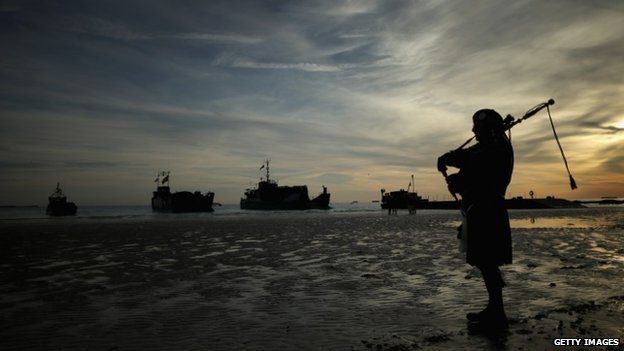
(320, 202)
(295, 201)
(180, 202)
(253, 204)
(64, 209)
(402, 200)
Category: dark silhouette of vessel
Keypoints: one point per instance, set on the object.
(270, 196)
(402, 199)
(163, 200)
(58, 205)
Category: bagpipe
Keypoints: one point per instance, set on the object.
(508, 123)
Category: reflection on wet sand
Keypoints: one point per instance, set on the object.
(555, 222)
(560, 222)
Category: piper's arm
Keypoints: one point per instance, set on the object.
(456, 158)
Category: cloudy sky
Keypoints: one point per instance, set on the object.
(354, 95)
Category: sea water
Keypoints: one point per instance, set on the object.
(145, 211)
(547, 218)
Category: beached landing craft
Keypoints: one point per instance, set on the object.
(269, 196)
(402, 199)
(163, 200)
(58, 205)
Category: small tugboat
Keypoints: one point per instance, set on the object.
(269, 196)
(163, 200)
(402, 199)
(58, 205)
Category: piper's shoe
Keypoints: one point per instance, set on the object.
(490, 318)
(476, 316)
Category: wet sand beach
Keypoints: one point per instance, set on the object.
(306, 280)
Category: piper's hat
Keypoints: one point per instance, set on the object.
(488, 118)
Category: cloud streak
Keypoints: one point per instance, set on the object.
(228, 60)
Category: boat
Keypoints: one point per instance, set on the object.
(268, 195)
(402, 199)
(58, 205)
(163, 200)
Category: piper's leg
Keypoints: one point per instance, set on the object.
(494, 284)
(494, 313)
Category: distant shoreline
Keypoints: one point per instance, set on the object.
(606, 201)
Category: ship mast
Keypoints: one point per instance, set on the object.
(165, 178)
(267, 170)
(58, 192)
